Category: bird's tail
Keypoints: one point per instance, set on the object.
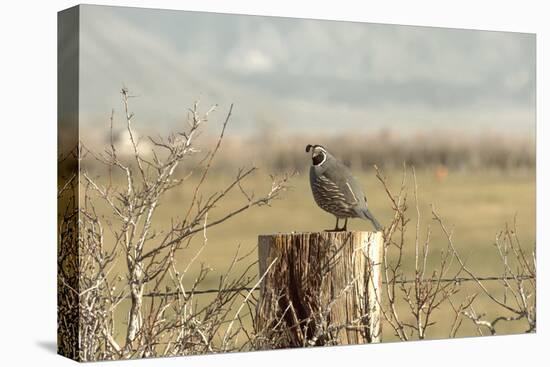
(368, 215)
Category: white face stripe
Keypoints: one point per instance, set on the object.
(321, 149)
(324, 158)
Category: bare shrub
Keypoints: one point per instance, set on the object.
(518, 280)
(165, 316)
(67, 255)
(172, 323)
(429, 289)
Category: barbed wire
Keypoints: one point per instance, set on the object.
(397, 281)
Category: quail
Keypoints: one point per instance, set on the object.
(335, 189)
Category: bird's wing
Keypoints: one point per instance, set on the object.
(330, 188)
(347, 184)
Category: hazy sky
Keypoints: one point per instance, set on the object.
(306, 75)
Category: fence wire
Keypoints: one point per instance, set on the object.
(397, 281)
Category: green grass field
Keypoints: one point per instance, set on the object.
(475, 205)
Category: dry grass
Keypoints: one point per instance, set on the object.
(184, 220)
(477, 205)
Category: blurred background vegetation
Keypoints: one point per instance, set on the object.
(458, 105)
(478, 184)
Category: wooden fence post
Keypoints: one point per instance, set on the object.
(321, 288)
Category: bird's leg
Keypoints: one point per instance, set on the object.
(336, 228)
(345, 227)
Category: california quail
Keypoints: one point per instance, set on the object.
(335, 189)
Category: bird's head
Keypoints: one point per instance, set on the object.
(319, 154)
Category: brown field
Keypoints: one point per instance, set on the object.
(475, 204)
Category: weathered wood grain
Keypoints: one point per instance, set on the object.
(322, 289)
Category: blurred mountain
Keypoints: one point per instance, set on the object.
(304, 75)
